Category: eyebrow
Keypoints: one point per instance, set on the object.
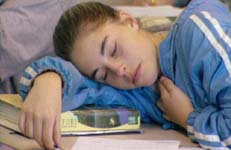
(102, 51)
(103, 45)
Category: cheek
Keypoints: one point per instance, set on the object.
(131, 52)
(120, 83)
(139, 49)
(150, 73)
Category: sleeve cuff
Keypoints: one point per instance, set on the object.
(69, 74)
(190, 124)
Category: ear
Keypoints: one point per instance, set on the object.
(128, 19)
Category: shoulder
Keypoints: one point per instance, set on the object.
(205, 35)
(211, 24)
(205, 10)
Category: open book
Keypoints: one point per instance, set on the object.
(82, 121)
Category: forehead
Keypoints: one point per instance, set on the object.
(86, 53)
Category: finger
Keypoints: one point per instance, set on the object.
(38, 130)
(163, 91)
(168, 84)
(162, 88)
(21, 122)
(57, 133)
(29, 125)
(47, 135)
(160, 105)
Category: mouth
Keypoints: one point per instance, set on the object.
(136, 74)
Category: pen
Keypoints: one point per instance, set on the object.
(56, 147)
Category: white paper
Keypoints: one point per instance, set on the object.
(137, 11)
(92, 143)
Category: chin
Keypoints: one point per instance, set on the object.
(126, 87)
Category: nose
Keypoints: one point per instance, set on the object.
(119, 68)
(122, 70)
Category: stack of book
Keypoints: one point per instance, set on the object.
(82, 121)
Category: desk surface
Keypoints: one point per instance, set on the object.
(151, 132)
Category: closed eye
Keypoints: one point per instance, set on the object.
(113, 54)
(115, 49)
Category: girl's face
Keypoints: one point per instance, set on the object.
(120, 55)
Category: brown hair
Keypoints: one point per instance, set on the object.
(76, 20)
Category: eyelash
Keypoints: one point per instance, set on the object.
(113, 53)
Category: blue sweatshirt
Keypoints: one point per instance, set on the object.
(195, 56)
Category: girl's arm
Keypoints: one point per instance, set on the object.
(72, 80)
(209, 126)
(210, 123)
(40, 115)
(206, 47)
(174, 103)
(43, 86)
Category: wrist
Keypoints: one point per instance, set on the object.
(48, 77)
(185, 120)
(48, 82)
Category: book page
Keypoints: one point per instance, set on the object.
(92, 143)
(12, 99)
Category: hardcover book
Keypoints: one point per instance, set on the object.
(85, 120)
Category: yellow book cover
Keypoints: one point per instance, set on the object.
(82, 121)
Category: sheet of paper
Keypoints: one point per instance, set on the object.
(92, 143)
(139, 11)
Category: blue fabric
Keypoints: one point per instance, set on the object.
(196, 56)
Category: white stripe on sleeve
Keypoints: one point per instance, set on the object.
(31, 72)
(25, 81)
(213, 41)
(213, 148)
(225, 58)
(218, 27)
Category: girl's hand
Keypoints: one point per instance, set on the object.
(174, 103)
(40, 115)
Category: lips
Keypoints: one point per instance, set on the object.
(136, 74)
